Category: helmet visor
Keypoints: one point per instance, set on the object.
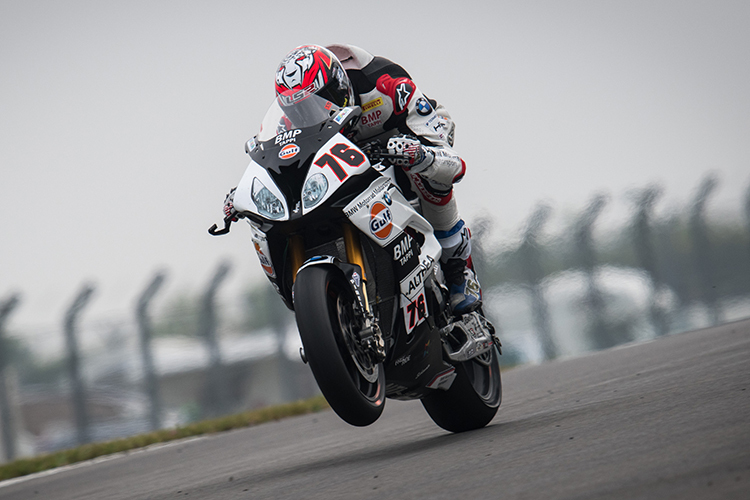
(335, 91)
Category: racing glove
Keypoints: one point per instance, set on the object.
(374, 151)
(229, 211)
(407, 152)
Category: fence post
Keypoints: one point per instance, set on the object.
(286, 368)
(7, 423)
(646, 255)
(216, 396)
(594, 300)
(146, 334)
(74, 368)
(531, 260)
(702, 249)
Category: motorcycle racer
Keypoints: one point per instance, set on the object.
(416, 132)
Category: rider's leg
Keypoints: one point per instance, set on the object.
(455, 238)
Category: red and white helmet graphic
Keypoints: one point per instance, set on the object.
(314, 70)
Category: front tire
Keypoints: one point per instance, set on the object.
(474, 397)
(352, 384)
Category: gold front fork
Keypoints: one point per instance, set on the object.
(297, 249)
(354, 255)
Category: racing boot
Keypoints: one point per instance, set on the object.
(465, 291)
(464, 288)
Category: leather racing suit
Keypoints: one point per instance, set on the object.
(392, 105)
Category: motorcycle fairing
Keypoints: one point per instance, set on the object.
(260, 242)
(391, 223)
(243, 195)
(417, 368)
(383, 214)
(337, 160)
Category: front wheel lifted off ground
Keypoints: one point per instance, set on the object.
(352, 384)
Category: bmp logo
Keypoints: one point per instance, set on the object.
(288, 136)
(381, 220)
(371, 119)
(402, 251)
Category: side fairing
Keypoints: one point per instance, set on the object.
(382, 213)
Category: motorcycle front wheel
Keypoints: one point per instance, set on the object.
(474, 397)
(352, 384)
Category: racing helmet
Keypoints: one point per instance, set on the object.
(312, 69)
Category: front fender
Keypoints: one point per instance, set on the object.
(351, 273)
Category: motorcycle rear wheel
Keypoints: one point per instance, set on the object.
(352, 384)
(474, 397)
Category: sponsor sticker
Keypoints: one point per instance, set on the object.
(372, 119)
(288, 151)
(413, 283)
(403, 95)
(288, 136)
(423, 107)
(339, 118)
(367, 198)
(250, 145)
(403, 360)
(381, 220)
(265, 262)
(372, 104)
(403, 251)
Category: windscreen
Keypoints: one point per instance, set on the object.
(295, 111)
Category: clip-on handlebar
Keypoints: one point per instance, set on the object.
(214, 231)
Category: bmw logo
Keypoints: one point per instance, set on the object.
(387, 199)
(423, 106)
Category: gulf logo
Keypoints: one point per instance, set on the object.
(288, 151)
(381, 220)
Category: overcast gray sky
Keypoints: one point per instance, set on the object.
(122, 124)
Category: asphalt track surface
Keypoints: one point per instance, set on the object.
(664, 419)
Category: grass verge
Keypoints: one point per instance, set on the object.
(40, 463)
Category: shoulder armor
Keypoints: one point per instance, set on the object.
(400, 90)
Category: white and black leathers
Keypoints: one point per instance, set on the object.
(392, 104)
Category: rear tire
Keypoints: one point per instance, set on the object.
(350, 382)
(474, 397)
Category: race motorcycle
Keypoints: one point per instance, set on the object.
(357, 263)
